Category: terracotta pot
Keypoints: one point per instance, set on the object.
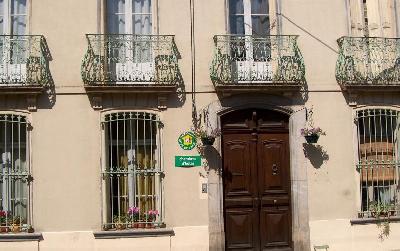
(149, 225)
(135, 225)
(15, 228)
(141, 225)
(120, 226)
(4, 229)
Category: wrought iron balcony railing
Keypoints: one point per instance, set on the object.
(24, 61)
(115, 59)
(251, 60)
(368, 62)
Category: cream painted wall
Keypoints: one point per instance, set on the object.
(66, 136)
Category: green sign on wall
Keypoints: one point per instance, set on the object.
(187, 141)
(187, 161)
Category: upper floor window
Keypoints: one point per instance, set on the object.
(373, 18)
(378, 160)
(129, 17)
(13, 17)
(132, 172)
(14, 173)
(249, 17)
(252, 17)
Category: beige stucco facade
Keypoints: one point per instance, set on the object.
(66, 134)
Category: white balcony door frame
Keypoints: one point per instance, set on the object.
(9, 72)
(245, 69)
(144, 69)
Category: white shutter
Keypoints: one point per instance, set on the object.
(374, 22)
(387, 18)
(273, 17)
(356, 18)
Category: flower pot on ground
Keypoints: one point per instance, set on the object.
(208, 140)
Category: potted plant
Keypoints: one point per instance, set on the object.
(378, 210)
(16, 224)
(3, 221)
(133, 214)
(120, 221)
(311, 134)
(207, 137)
(151, 217)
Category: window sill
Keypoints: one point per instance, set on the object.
(7, 237)
(113, 234)
(364, 221)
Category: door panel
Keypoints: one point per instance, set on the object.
(240, 225)
(275, 228)
(238, 168)
(273, 163)
(241, 217)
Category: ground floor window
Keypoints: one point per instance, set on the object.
(378, 163)
(132, 172)
(14, 173)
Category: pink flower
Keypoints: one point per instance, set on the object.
(133, 210)
(3, 213)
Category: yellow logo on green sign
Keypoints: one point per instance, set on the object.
(187, 140)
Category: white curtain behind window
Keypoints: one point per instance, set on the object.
(129, 17)
(13, 22)
(141, 17)
(18, 17)
(116, 16)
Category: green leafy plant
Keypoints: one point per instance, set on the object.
(202, 132)
(378, 210)
(120, 221)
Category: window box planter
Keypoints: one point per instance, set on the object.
(312, 139)
(207, 141)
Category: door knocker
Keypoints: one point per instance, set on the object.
(274, 169)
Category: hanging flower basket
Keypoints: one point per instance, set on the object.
(312, 139)
(207, 141)
(312, 134)
(207, 137)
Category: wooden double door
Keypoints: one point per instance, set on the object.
(256, 176)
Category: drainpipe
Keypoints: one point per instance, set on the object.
(193, 53)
